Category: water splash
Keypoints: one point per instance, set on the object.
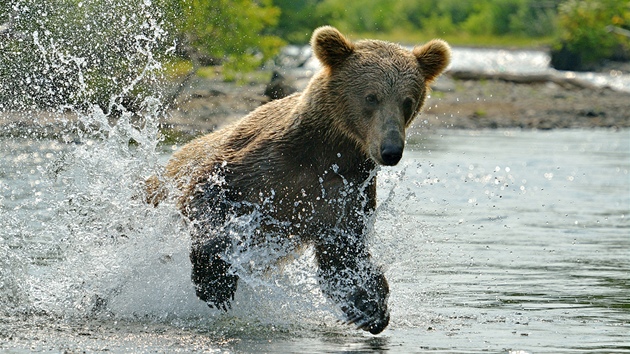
(92, 66)
(92, 248)
(59, 55)
(77, 240)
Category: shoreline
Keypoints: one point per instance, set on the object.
(494, 104)
(205, 104)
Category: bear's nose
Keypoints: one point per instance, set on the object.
(391, 154)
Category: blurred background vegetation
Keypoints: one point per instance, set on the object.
(93, 41)
(583, 31)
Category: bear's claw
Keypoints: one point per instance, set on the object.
(371, 323)
(223, 306)
(367, 324)
(366, 313)
(218, 294)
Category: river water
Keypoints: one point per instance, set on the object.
(493, 241)
(502, 241)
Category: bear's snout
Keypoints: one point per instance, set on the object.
(391, 153)
(392, 144)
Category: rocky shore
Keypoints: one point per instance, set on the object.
(482, 104)
(455, 103)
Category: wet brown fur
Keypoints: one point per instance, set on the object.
(311, 159)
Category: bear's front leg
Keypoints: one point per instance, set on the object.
(348, 277)
(214, 283)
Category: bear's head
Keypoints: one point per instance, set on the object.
(372, 90)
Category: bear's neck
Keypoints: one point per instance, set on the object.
(328, 149)
(315, 139)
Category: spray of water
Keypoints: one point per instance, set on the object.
(92, 67)
(90, 247)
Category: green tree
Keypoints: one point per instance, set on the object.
(584, 30)
(364, 16)
(436, 17)
(79, 52)
(489, 18)
(236, 31)
(481, 20)
(298, 19)
(534, 18)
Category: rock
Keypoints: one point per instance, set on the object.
(565, 59)
(443, 84)
(279, 87)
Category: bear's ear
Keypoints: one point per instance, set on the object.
(433, 58)
(330, 46)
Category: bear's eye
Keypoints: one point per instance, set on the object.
(408, 107)
(371, 99)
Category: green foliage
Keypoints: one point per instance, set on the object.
(236, 31)
(82, 52)
(360, 16)
(298, 19)
(79, 52)
(534, 19)
(481, 20)
(527, 18)
(583, 28)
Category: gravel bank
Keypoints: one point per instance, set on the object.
(206, 104)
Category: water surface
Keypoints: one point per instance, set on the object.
(493, 241)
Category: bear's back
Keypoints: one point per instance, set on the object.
(235, 142)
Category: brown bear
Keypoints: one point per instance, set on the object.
(303, 168)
